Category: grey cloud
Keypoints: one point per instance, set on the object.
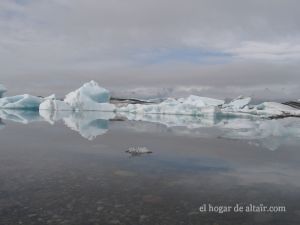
(59, 44)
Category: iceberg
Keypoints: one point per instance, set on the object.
(237, 103)
(275, 108)
(54, 105)
(192, 105)
(90, 97)
(21, 102)
(201, 101)
(272, 109)
(2, 90)
(51, 97)
(202, 106)
(241, 105)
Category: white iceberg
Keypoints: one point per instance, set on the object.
(54, 105)
(21, 102)
(90, 97)
(51, 97)
(237, 103)
(241, 105)
(53, 110)
(201, 101)
(192, 105)
(2, 90)
(275, 108)
(272, 109)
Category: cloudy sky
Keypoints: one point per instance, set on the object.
(152, 47)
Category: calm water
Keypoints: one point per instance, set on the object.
(50, 174)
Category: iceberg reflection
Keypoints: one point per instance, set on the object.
(20, 116)
(267, 133)
(88, 124)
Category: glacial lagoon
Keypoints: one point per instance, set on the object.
(73, 168)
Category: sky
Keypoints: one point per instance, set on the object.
(215, 48)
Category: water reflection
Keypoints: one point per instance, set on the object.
(50, 176)
(88, 124)
(20, 116)
(270, 134)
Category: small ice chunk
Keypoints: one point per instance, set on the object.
(90, 97)
(21, 102)
(138, 150)
(2, 90)
(238, 103)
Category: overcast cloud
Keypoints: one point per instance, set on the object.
(174, 45)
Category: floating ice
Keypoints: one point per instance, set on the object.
(138, 150)
(235, 120)
(54, 105)
(201, 106)
(51, 97)
(238, 103)
(201, 101)
(266, 109)
(193, 105)
(90, 97)
(21, 102)
(2, 90)
(272, 109)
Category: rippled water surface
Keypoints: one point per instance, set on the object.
(50, 174)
